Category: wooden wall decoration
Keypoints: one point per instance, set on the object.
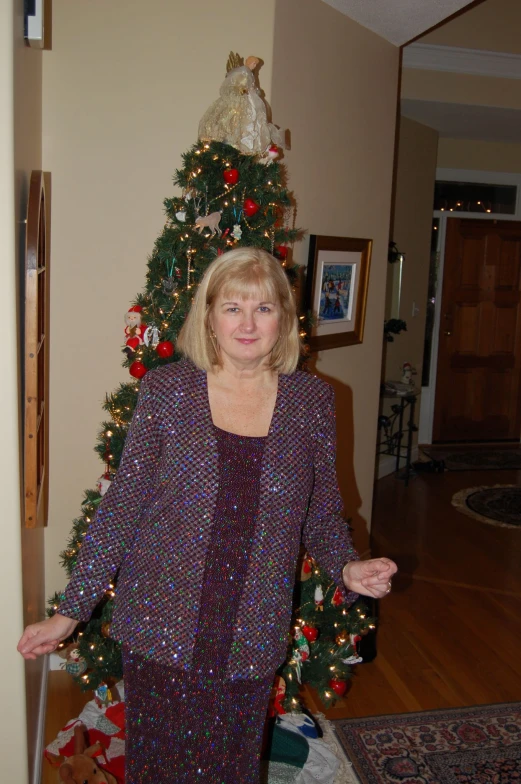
(36, 340)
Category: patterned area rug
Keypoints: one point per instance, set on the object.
(498, 505)
(477, 460)
(479, 745)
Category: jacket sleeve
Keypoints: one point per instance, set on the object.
(326, 533)
(110, 534)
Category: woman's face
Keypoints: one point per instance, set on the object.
(246, 329)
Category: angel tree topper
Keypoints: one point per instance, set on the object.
(239, 116)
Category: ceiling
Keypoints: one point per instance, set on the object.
(401, 21)
(398, 21)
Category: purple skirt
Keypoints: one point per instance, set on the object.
(188, 726)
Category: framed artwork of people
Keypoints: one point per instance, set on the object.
(336, 290)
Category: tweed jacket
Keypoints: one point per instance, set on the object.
(154, 524)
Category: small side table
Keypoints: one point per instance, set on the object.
(395, 431)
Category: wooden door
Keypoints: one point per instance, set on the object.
(479, 357)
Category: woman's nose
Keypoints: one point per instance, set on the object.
(248, 322)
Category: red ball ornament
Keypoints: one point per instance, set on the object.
(339, 687)
(310, 633)
(231, 176)
(281, 251)
(250, 207)
(165, 349)
(137, 369)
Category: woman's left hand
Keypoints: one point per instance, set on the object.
(370, 578)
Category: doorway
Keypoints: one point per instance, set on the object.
(479, 343)
(471, 377)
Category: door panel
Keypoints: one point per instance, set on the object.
(479, 361)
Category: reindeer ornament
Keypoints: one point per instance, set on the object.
(210, 221)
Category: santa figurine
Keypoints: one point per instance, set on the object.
(278, 694)
(355, 657)
(103, 483)
(319, 598)
(270, 155)
(134, 329)
(407, 374)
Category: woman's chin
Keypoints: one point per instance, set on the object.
(247, 355)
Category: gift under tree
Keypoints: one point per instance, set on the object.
(231, 192)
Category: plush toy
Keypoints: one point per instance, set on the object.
(81, 766)
(75, 663)
(134, 329)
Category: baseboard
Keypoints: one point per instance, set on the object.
(37, 772)
(387, 463)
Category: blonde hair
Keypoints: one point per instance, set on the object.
(242, 273)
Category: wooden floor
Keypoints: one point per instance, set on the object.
(449, 634)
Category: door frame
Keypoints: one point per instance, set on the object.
(428, 394)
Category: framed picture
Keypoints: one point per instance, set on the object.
(336, 290)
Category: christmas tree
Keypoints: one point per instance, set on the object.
(232, 193)
(325, 637)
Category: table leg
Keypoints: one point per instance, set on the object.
(410, 425)
(400, 434)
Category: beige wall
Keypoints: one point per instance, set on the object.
(460, 88)
(493, 25)
(482, 156)
(335, 87)
(124, 88)
(415, 177)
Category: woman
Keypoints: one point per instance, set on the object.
(228, 464)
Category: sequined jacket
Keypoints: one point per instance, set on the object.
(154, 523)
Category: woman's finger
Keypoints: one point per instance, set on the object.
(383, 566)
(375, 581)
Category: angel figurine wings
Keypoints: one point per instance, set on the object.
(238, 117)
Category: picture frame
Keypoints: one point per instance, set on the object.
(36, 351)
(336, 290)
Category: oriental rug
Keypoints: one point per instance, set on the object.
(478, 745)
(497, 505)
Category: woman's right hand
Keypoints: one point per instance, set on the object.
(45, 636)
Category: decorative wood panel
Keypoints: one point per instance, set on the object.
(36, 377)
(505, 330)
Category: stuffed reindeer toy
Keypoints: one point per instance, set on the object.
(82, 768)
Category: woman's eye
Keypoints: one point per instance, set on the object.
(265, 309)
